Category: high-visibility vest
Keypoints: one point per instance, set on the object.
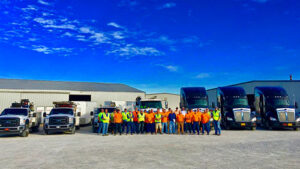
(158, 118)
(99, 116)
(141, 117)
(124, 115)
(105, 118)
(216, 115)
(130, 117)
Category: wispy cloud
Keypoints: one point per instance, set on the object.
(203, 75)
(43, 2)
(113, 24)
(167, 5)
(130, 50)
(170, 68)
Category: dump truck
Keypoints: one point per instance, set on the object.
(62, 118)
(20, 119)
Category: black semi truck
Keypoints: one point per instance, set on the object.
(273, 106)
(235, 109)
(193, 98)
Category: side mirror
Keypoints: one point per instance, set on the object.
(296, 105)
(79, 114)
(92, 113)
(44, 114)
(166, 104)
(34, 115)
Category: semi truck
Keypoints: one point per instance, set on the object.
(20, 119)
(235, 109)
(62, 118)
(151, 104)
(273, 106)
(194, 98)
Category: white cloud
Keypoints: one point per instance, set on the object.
(43, 2)
(113, 24)
(86, 30)
(41, 48)
(99, 37)
(67, 34)
(203, 75)
(118, 35)
(167, 5)
(72, 27)
(130, 50)
(44, 21)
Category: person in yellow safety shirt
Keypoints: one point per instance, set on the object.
(216, 120)
(141, 121)
(105, 119)
(100, 128)
(158, 122)
(124, 118)
(130, 124)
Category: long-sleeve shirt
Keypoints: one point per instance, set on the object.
(172, 116)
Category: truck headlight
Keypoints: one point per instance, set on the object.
(298, 120)
(46, 120)
(273, 119)
(22, 121)
(229, 119)
(253, 119)
(70, 120)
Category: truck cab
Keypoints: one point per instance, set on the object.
(20, 119)
(150, 104)
(62, 118)
(194, 98)
(235, 109)
(273, 106)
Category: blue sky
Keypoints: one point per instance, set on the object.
(153, 45)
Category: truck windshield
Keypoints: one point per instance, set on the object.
(197, 103)
(61, 111)
(278, 102)
(110, 110)
(237, 102)
(151, 104)
(22, 112)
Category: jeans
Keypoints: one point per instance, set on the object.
(148, 127)
(130, 126)
(105, 128)
(165, 127)
(217, 127)
(172, 127)
(100, 127)
(196, 127)
(206, 127)
(189, 127)
(118, 128)
(136, 127)
(141, 127)
(124, 125)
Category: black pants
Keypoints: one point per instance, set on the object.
(189, 127)
(141, 127)
(118, 128)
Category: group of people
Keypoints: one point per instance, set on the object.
(163, 122)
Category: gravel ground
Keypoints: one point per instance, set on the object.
(234, 149)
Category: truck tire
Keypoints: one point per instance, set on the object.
(35, 129)
(296, 128)
(25, 132)
(73, 130)
(94, 130)
(46, 132)
(77, 127)
(253, 128)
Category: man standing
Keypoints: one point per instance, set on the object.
(188, 120)
(112, 122)
(100, 121)
(124, 118)
(135, 120)
(105, 119)
(183, 111)
(164, 121)
(196, 121)
(118, 122)
(130, 124)
(152, 122)
(205, 121)
(217, 118)
(158, 122)
(141, 121)
(180, 122)
(172, 119)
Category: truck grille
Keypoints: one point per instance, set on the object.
(286, 116)
(9, 122)
(241, 116)
(58, 120)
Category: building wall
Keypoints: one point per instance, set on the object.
(173, 99)
(46, 98)
(292, 88)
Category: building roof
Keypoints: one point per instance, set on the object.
(255, 81)
(162, 94)
(62, 85)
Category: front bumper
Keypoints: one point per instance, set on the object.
(12, 130)
(241, 124)
(284, 124)
(58, 128)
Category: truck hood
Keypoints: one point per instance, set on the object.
(279, 110)
(241, 110)
(148, 109)
(61, 115)
(13, 116)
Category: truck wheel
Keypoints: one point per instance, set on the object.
(267, 125)
(296, 128)
(77, 127)
(35, 129)
(25, 132)
(73, 130)
(253, 128)
(94, 130)
(46, 132)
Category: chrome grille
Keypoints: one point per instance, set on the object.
(9, 122)
(241, 116)
(286, 116)
(58, 120)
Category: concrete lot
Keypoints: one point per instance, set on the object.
(234, 149)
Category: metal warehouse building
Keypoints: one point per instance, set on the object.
(43, 93)
(291, 86)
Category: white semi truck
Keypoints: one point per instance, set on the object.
(20, 119)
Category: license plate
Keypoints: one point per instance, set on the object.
(57, 127)
(243, 124)
(290, 124)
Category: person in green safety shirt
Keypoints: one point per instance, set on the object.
(141, 121)
(130, 124)
(100, 123)
(124, 118)
(216, 120)
(105, 120)
(158, 122)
